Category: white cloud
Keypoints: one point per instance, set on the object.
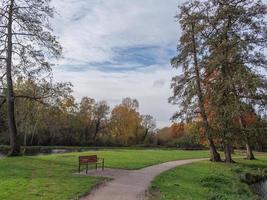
(112, 87)
(90, 29)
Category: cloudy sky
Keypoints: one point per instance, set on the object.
(119, 48)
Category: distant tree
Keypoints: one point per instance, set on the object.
(86, 115)
(26, 41)
(100, 111)
(130, 103)
(126, 122)
(149, 124)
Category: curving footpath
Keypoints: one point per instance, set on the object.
(129, 184)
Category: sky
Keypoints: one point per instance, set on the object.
(119, 48)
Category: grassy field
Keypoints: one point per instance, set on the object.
(207, 181)
(52, 177)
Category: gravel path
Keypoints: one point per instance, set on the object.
(129, 184)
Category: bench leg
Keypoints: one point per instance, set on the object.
(103, 162)
(86, 168)
(79, 168)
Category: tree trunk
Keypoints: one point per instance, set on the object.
(214, 155)
(228, 153)
(250, 155)
(136, 135)
(14, 142)
(96, 129)
(144, 137)
(232, 149)
(25, 139)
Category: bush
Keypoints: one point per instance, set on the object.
(188, 142)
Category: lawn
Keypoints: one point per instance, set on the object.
(52, 177)
(207, 181)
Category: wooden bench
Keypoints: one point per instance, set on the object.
(93, 159)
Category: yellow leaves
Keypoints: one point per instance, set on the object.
(67, 105)
(125, 123)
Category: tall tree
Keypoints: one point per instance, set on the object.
(236, 55)
(26, 42)
(188, 90)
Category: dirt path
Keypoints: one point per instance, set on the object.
(129, 184)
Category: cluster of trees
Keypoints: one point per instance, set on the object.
(59, 120)
(181, 135)
(222, 85)
(191, 135)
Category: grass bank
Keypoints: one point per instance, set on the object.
(52, 176)
(208, 181)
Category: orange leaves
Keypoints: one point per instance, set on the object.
(210, 76)
(177, 130)
(249, 118)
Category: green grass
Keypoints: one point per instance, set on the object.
(52, 177)
(207, 181)
(130, 159)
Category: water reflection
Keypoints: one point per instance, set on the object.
(47, 151)
(261, 189)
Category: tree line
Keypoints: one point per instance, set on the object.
(58, 119)
(222, 84)
(191, 136)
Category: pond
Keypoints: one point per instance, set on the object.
(260, 188)
(46, 151)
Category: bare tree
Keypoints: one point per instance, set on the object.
(149, 124)
(26, 42)
(101, 111)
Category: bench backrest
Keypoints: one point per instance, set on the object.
(87, 159)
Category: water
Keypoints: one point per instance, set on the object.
(260, 188)
(47, 151)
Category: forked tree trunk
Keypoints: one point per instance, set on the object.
(214, 155)
(14, 142)
(249, 154)
(228, 152)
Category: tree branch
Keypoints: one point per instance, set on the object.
(37, 99)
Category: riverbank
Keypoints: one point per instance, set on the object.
(44, 150)
(206, 180)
